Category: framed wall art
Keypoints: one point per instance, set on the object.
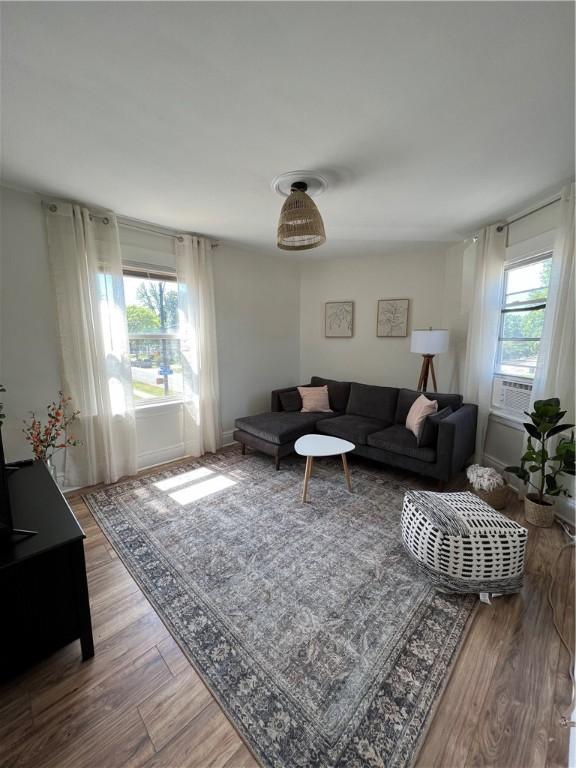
(392, 317)
(338, 319)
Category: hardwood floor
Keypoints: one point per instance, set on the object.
(139, 704)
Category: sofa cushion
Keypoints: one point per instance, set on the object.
(421, 408)
(397, 439)
(338, 392)
(350, 427)
(407, 396)
(429, 434)
(315, 399)
(280, 427)
(373, 402)
(291, 401)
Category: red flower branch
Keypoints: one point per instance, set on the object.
(47, 439)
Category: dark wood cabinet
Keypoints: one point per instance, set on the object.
(43, 588)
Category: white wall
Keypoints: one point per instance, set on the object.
(28, 345)
(257, 300)
(503, 442)
(419, 273)
(257, 316)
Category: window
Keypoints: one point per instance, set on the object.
(522, 316)
(152, 315)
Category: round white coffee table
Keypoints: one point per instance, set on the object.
(322, 445)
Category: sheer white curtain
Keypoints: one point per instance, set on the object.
(482, 337)
(86, 266)
(555, 368)
(202, 430)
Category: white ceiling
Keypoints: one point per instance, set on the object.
(428, 119)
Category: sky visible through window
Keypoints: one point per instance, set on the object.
(528, 282)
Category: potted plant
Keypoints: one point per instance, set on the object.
(545, 424)
(488, 484)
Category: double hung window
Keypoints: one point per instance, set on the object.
(524, 297)
(152, 315)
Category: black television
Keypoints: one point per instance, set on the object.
(9, 534)
(6, 523)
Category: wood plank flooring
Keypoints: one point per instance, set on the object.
(139, 703)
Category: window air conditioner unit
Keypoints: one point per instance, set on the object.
(511, 395)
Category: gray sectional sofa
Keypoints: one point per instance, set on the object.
(373, 418)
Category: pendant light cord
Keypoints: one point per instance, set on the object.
(566, 722)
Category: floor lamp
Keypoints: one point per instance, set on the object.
(428, 343)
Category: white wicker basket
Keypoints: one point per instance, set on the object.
(462, 543)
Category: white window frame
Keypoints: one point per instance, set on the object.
(517, 253)
(150, 272)
(506, 309)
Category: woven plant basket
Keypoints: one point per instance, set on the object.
(496, 499)
(539, 514)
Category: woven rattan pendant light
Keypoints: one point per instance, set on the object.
(300, 226)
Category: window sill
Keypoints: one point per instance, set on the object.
(154, 408)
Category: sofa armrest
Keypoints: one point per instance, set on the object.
(456, 439)
(275, 404)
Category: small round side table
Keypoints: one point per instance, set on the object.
(322, 445)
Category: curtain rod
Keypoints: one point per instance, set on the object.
(145, 227)
(501, 227)
(142, 226)
(153, 230)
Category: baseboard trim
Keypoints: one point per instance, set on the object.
(227, 437)
(492, 461)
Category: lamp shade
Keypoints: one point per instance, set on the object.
(300, 226)
(429, 342)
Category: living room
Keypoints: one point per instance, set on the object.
(281, 283)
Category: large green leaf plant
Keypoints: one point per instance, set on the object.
(538, 459)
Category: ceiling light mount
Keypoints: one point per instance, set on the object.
(315, 183)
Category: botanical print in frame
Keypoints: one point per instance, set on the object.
(392, 317)
(339, 319)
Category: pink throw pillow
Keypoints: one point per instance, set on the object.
(421, 408)
(315, 399)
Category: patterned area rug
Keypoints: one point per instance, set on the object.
(321, 640)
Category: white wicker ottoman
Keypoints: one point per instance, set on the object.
(462, 544)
